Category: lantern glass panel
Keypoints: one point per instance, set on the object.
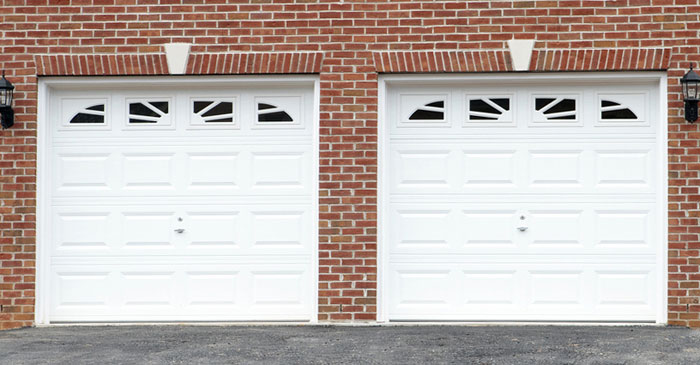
(6, 98)
(691, 90)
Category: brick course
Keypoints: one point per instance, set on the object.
(350, 42)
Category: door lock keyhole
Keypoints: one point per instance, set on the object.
(522, 227)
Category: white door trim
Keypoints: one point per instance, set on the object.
(576, 78)
(45, 85)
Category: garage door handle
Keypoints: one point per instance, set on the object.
(180, 230)
(522, 229)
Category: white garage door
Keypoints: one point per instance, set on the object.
(176, 203)
(523, 202)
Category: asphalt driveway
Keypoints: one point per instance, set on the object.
(170, 344)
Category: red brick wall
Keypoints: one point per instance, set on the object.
(347, 35)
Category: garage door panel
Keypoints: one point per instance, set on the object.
(278, 290)
(155, 292)
(214, 229)
(148, 171)
(495, 168)
(237, 170)
(557, 228)
(148, 290)
(422, 289)
(624, 169)
(523, 228)
(279, 171)
(278, 229)
(87, 290)
(557, 288)
(84, 172)
(423, 229)
(604, 167)
(522, 291)
(560, 168)
(214, 171)
(242, 229)
(427, 168)
(482, 289)
(90, 232)
(147, 230)
(490, 229)
(621, 228)
(207, 290)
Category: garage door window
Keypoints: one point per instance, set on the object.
(271, 113)
(94, 114)
(212, 111)
(613, 110)
(430, 111)
(489, 108)
(555, 108)
(148, 112)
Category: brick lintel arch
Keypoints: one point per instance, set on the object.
(155, 64)
(617, 59)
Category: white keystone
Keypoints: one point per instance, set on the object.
(176, 55)
(520, 53)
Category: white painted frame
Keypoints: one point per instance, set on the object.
(45, 85)
(573, 78)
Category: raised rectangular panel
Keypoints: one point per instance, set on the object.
(489, 287)
(423, 228)
(85, 289)
(418, 169)
(213, 170)
(623, 168)
(623, 288)
(489, 227)
(489, 168)
(213, 229)
(551, 168)
(211, 288)
(423, 287)
(278, 170)
(148, 171)
(147, 230)
(148, 288)
(84, 172)
(278, 228)
(555, 227)
(82, 231)
(555, 287)
(277, 287)
(622, 227)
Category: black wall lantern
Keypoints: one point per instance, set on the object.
(7, 115)
(690, 82)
